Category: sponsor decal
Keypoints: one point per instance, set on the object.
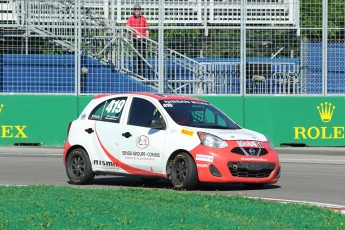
(202, 165)
(325, 111)
(136, 155)
(257, 144)
(187, 132)
(104, 163)
(142, 141)
(95, 117)
(11, 131)
(200, 157)
(110, 117)
(125, 166)
(252, 159)
(170, 103)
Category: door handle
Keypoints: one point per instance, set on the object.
(126, 134)
(89, 130)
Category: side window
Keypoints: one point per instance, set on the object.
(221, 121)
(210, 118)
(214, 118)
(110, 110)
(96, 113)
(141, 112)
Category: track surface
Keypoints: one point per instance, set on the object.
(314, 175)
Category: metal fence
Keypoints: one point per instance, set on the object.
(266, 47)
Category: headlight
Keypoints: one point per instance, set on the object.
(270, 143)
(212, 141)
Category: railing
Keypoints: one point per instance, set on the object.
(112, 45)
(211, 12)
(181, 74)
(281, 78)
(56, 20)
(8, 13)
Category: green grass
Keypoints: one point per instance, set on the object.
(49, 207)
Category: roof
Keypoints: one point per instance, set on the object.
(158, 96)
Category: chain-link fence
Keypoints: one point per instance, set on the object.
(266, 47)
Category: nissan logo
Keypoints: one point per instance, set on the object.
(252, 151)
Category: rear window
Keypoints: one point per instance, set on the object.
(110, 110)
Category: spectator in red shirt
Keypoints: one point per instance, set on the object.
(138, 24)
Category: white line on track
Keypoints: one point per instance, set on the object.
(31, 154)
(312, 161)
(308, 159)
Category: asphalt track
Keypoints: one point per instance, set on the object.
(309, 175)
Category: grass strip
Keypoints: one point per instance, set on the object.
(50, 207)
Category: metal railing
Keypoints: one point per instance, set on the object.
(115, 48)
(263, 12)
(89, 29)
(181, 74)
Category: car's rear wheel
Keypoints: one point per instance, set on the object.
(184, 173)
(78, 167)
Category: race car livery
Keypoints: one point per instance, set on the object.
(184, 139)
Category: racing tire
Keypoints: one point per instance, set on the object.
(78, 167)
(184, 175)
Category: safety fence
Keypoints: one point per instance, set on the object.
(266, 47)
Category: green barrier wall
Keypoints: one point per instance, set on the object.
(35, 120)
(232, 106)
(311, 121)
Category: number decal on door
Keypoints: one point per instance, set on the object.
(115, 106)
(113, 110)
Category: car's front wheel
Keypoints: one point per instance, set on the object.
(78, 167)
(184, 174)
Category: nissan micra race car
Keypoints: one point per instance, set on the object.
(184, 139)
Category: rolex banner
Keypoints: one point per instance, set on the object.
(35, 120)
(300, 121)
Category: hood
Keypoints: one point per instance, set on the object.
(238, 134)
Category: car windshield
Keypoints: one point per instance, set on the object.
(197, 114)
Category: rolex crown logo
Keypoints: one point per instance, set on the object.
(1, 106)
(326, 111)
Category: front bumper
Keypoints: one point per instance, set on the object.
(224, 166)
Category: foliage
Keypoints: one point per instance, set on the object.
(311, 16)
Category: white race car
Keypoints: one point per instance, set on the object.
(184, 139)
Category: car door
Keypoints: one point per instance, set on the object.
(142, 147)
(107, 116)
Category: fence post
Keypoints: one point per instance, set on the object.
(243, 84)
(324, 45)
(161, 47)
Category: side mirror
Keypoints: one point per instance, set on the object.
(157, 123)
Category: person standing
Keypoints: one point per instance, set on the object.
(138, 24)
